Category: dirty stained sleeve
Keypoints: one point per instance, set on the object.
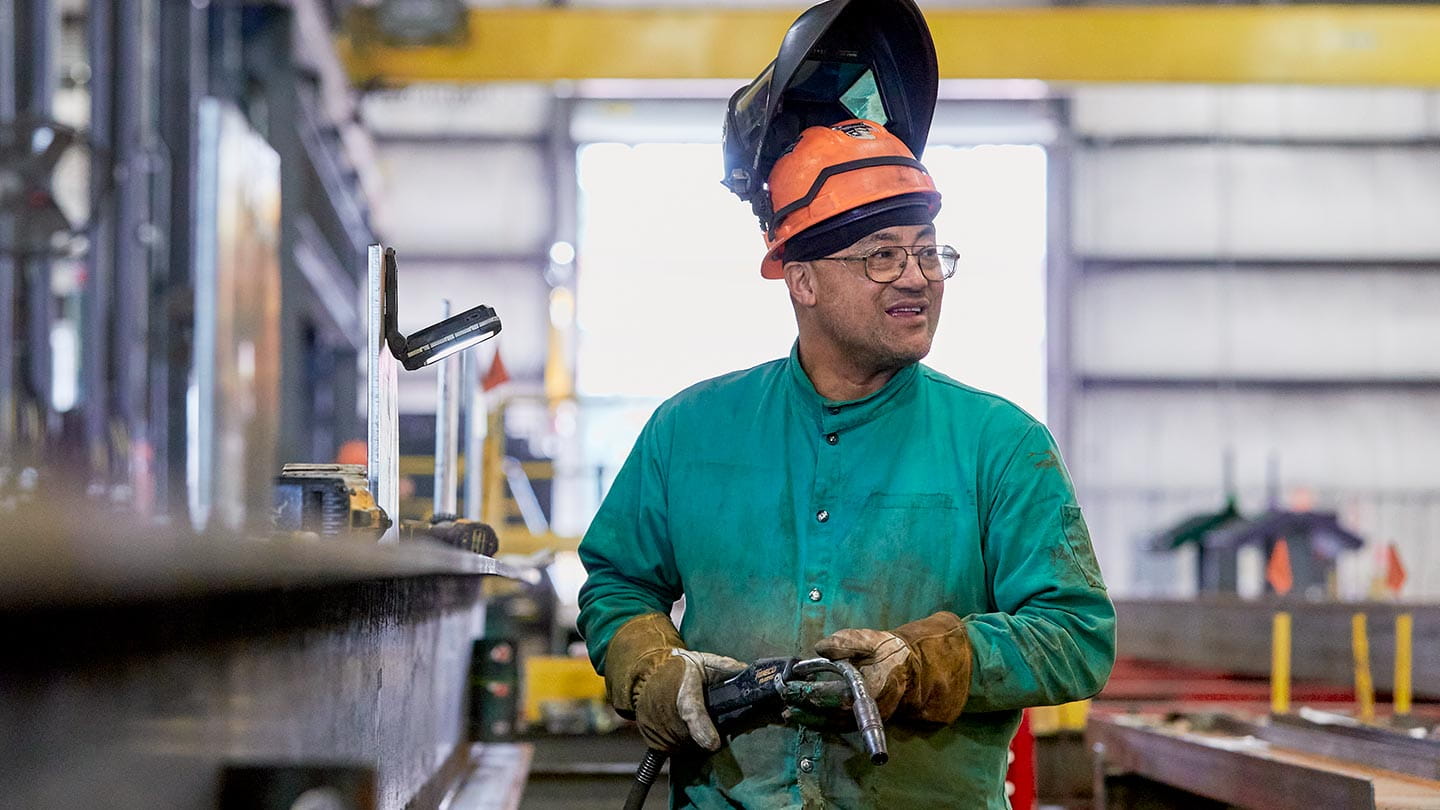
(1051, 638)
(627, 552)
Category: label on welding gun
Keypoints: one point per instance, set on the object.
(752, 692)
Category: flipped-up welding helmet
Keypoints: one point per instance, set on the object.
(842, 59)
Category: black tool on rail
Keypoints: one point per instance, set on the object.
(763, 692)
(437, 341)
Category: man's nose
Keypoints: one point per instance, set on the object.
(911, 277)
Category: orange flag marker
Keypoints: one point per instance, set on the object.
(1394, 570)
(1277, 571)
(497, 375)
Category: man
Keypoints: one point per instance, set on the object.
(851, 502)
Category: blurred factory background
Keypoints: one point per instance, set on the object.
(1201, 242)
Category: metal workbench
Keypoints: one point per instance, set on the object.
(151, 667)
(1245, 765)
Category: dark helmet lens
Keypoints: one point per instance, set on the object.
(850, 83)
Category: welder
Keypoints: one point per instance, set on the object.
(846, 500)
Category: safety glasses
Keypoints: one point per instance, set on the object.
(885, 264)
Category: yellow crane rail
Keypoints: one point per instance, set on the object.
(1310, 44)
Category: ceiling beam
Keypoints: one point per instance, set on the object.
(1313, 44)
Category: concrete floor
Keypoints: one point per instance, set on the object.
(570, 773)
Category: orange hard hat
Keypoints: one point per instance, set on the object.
(832, 175)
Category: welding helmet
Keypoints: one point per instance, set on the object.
(842, 59)
(838, 184)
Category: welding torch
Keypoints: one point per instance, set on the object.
(767, 690)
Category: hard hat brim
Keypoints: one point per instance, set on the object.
(773, 265)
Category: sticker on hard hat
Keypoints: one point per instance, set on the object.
(857, 129)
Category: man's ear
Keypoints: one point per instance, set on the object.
(800, 278)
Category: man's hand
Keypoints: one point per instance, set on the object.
(920, 671)
(652, 679)
(671, 706)
(880, 656)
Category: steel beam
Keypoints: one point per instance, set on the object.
(1234, 636)
(143, 662)
(136, 242)
(1225, 773)
(96, 358)
(37, 31)
(9, 336)
(1061, 283)
(1372, 747)
(1319, 44)
(182, 77)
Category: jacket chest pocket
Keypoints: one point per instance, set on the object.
(907, 556)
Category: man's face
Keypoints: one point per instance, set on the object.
(880, 325)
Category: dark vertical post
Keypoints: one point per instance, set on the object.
(96, 297)
(37, 30)
(8, 233)
(135, 236)
(183, 69)
(269, 57)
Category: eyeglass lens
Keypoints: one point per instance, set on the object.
(937, 262)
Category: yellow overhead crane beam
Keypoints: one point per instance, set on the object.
(1314, 44)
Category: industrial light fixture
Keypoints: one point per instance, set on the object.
(437, 342)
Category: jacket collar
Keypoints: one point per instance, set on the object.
(837, 415)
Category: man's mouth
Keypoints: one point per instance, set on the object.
(906, 311)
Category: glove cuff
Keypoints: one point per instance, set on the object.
(939, 668)
(636, 650)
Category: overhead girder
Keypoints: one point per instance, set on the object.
(1311, 44)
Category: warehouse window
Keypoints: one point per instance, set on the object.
(670, 291)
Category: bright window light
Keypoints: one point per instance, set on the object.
(669, 286)
(992, 327)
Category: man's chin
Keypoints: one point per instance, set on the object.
(904, 355)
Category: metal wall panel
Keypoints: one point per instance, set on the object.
(1255, 111)
(1257, 201)
(1284, 323)
(1357, 438)
(465, 199)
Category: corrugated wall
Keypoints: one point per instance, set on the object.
(1256, 271)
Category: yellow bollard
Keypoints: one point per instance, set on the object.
(1280, 664)
(1404, 631)
(1364, 685)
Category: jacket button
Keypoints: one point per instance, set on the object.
(834, 411)
(807, 764)
(822, 515)
(815, 594)
(832, 438)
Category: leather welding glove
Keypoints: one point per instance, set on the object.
(918, 671)
(651, 678)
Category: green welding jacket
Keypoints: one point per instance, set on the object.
(782, 517)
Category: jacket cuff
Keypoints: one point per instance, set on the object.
(940, 664)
